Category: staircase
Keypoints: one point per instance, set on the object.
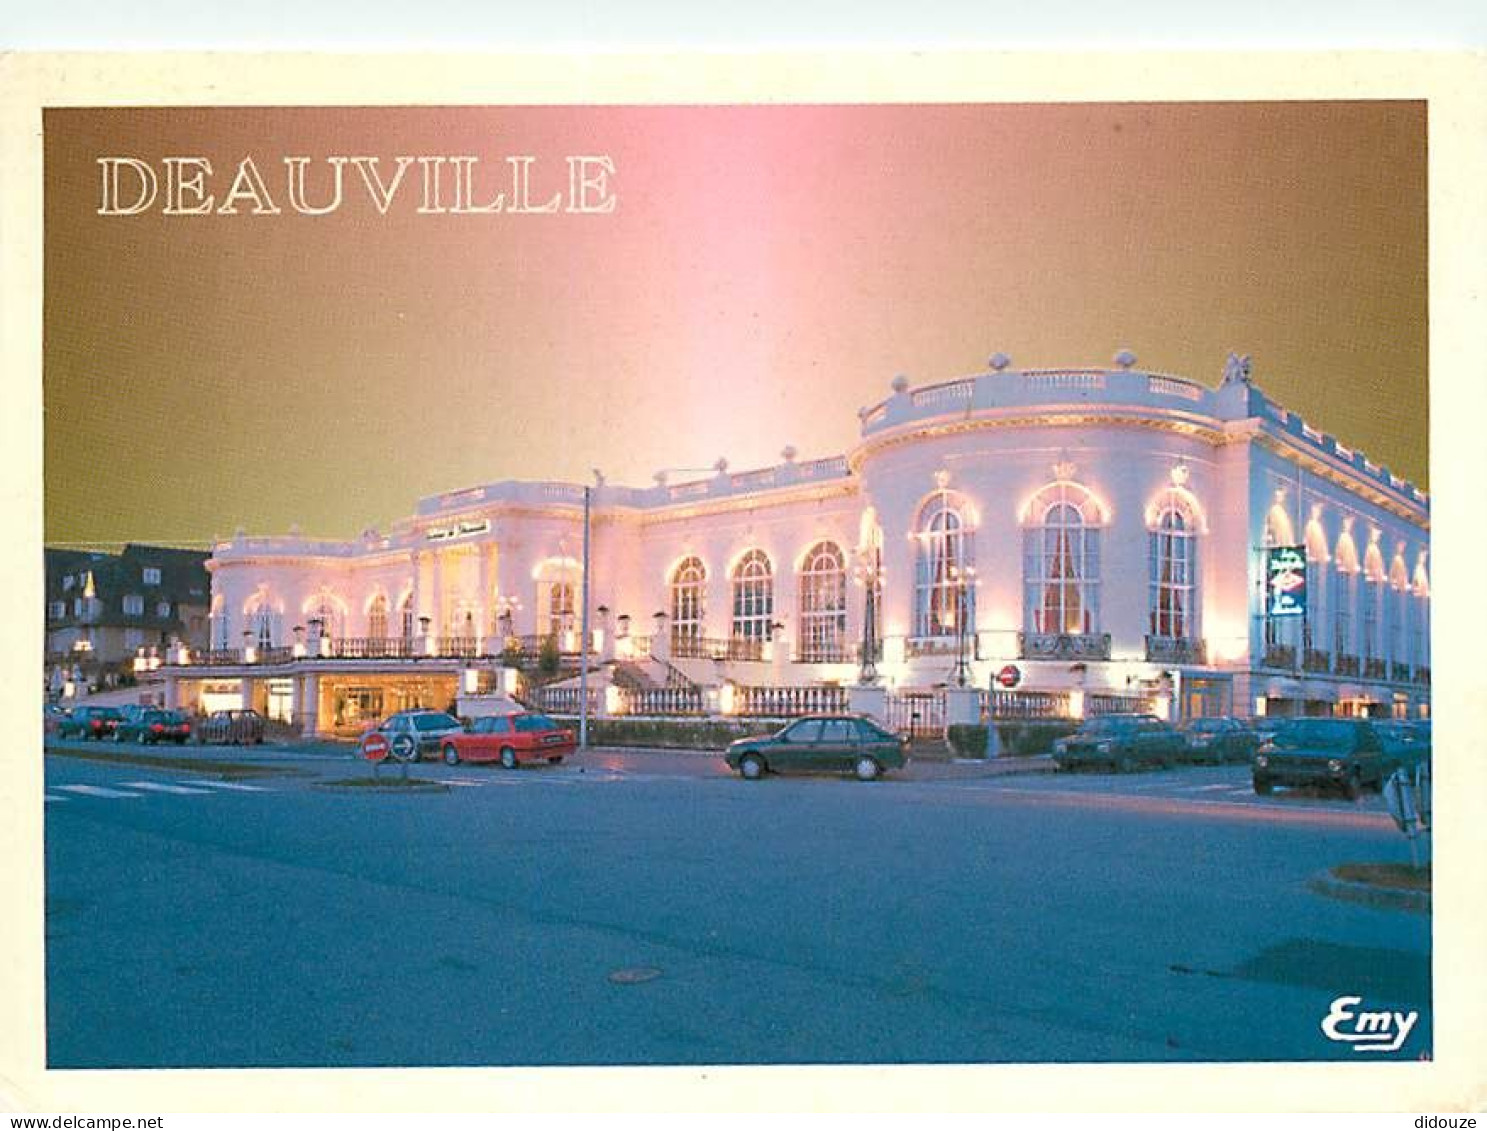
(649, 674)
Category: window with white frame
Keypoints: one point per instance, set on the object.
(325, 619)
(687, 584)
(263, 623)
(1373, 593)
(944, 589)
(753, 597)
(1173, 564)
(409, 620)
(1342, 599)
(1061, 568)
(559, 607)
(823, 603)
(134, 605)
(162, 609)
(377, 618)
(151, 575)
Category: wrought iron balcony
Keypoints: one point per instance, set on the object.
(1316, 661)
(1280, 656)
(1346, 665)
(1063, 646)
(1375, 669)
(1176, 650)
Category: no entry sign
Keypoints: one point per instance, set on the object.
(374, 747)
(1009, 676)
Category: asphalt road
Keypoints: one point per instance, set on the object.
(651, 909)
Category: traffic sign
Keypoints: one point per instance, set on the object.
(1010, 676)
(374, 747)
(404, 747)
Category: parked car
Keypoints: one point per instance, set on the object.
(512, 740)
(89, 722)
(1345, 754)
(237, 727)
(51, 718)
(153, 725)
(821, 742)
(1121, 742)
(1219, 740)
(425, 729)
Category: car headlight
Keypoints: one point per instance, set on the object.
(1261, 761)
(1334, 765)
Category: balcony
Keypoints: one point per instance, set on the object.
(1375, 669)
(687, 647)
(951, 645)
(1316, 661)
(1422, 676)
(1399, 673)
(1346, 665)
(1281, 656)
(1063, 646)
(1176, 650)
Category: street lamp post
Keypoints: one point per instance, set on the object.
(964, 580)
(869, 574)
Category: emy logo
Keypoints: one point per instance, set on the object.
(1382, 1031)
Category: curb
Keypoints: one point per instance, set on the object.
(1389, 899)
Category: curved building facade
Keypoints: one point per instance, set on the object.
(1095, 532)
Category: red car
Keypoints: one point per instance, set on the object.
(511, 740)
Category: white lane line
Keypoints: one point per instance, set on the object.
(459, 782)
(161, 787)
(96, 791)
(229, 785)
(1209, 788)
(54, 797)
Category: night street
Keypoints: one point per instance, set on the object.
(651, 909)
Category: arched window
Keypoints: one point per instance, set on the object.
(688, 581)
(409, 620)
(1061, 563)
(1373, 608)
(377, 618)
(944, 590)
(263, 622)
(220, 626)
(823, 604)
(753, 597)
(1174, 572)
(325, 617)
(1314, 626)
(1343, 601)
(559, 609)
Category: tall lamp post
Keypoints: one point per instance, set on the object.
(868, 571)
(963, 578)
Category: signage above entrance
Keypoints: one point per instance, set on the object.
(458, 530)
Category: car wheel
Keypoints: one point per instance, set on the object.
(508, 758)
(867, 768)
(451, 755)
(1263, 786)
(1352, 788)
(751, 767)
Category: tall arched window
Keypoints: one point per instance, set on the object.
(1343, 601)
(1314, 624)
(1373, 609)
(263, 623)
(1174, 572)
(220, 626)
(1399, 612)
(409, 620)
(559, 609)
(688, 581)
(823, 604)
(753, 597)
(325, 618)
(377, 618)
(1061, 562)
(944, 592)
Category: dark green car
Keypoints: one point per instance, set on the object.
(1343, 754)
(821, 742)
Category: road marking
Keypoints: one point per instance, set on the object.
(96, 791)
(230, 785)
(1211, 788)
(460, 782)
(160, 787)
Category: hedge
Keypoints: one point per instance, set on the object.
(1027, 739)
(689, 734)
